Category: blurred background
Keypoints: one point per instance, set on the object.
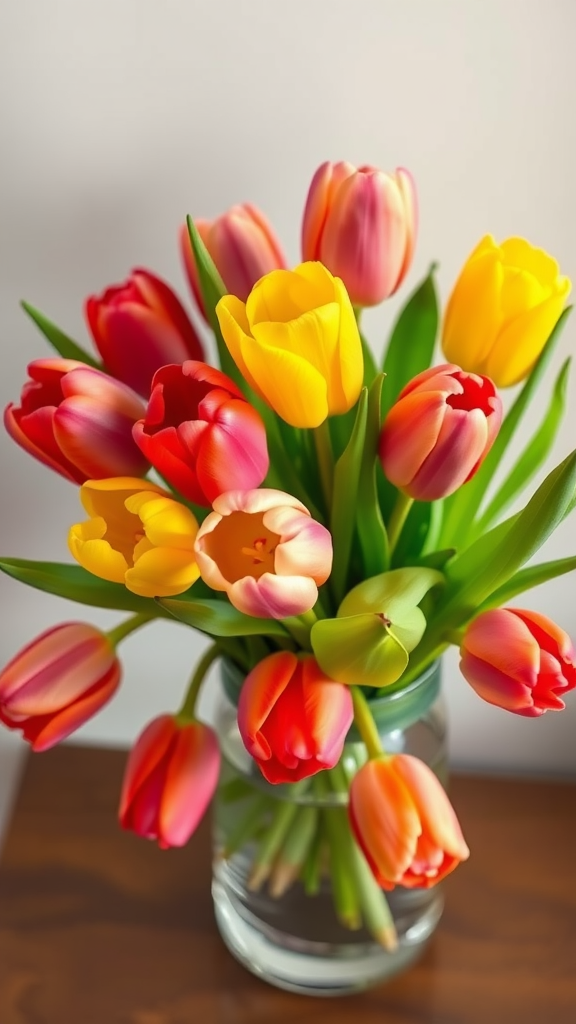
(118, 117)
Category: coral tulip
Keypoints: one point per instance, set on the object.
(243, 246)
(201, 434)
(170, 778)
(404, 823)
(438, 432)
(292, 718)
(77, 420)
(502, 309)
(56, 683)
(265, 551)
(362, 223)
(519, 660)
(138, 535)
(296, 342)
(139, 326)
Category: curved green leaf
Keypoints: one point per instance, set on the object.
(461, 508)
(411, 345)
(533, 456)
(219, 618)
(346, 481)
(64, 345)
(371, 530)
(528, 578)
(76, 584)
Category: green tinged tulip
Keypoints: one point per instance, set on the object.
(378, 624)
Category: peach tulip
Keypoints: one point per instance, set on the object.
(139, 326)
(243, 246)
(292, 718)
(361, 223)
(404, 823)
(77, 420)
(57, 682)
(519, 660)
(439, 431)
(265, 551)
(170, 778)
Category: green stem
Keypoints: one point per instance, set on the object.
(187, 711)
(325, 456)
(117, 634)
(366, 724)
(299, 627)
(398, 518)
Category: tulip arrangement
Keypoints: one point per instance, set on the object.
(332, 525)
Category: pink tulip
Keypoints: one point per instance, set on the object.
(58, 682)
(139, 326)
(78, 421)
(361, 224)
(519, 660)
(170, 778)
(243, 246)
(404, 823)
(201, 434)
(439, 430)
(292, 718)
(265, 551)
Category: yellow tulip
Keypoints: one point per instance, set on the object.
(137, 535)
(502, 309)
(296, 342)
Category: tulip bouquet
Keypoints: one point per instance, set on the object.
(331, 524)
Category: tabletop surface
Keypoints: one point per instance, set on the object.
(100, 927)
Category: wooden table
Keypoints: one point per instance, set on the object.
(99, 927)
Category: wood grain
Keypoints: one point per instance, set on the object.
(99, 927)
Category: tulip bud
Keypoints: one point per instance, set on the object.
(170, 778)
(439, 431)
(58, 682)
(361, 224)
(297, 344)
(519, 660)
(77, 420)
(502, 309)
(137, 535)
(201, 434)
(265, 551)
(292, 718)
(404, 823)
(139, 326)
(243, 246)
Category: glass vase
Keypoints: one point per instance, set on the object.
(292, 935)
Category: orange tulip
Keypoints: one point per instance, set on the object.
(404, 823)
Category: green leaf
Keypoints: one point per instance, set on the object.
(533, 456)
(76, 584)
(346, 481)
(528, 578)
(359, 650)
(212, 288)
(219, 618)
(370, 368)
(461, 508)
(64, 345)
(371, 530)
(476, 573)
(411, 345)
(393, 593)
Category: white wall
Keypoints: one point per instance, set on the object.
(119, 116)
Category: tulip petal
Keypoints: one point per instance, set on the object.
(162, 572)
(150, 749)
(305, 402)
(260, 692)
(520, 342)
(468, 339)
(273, 597)
(189, 784)
(231, 313)
(96, 439)
(437, 816)
(62, 724)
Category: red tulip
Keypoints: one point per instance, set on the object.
(170, 778)
(404, 823)
(201, 434)
(361, 224)
(439, 430)
(243, 246)
(78, 421)
(139, 326)
(519, 660)
(58, 682)
(292, 718)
